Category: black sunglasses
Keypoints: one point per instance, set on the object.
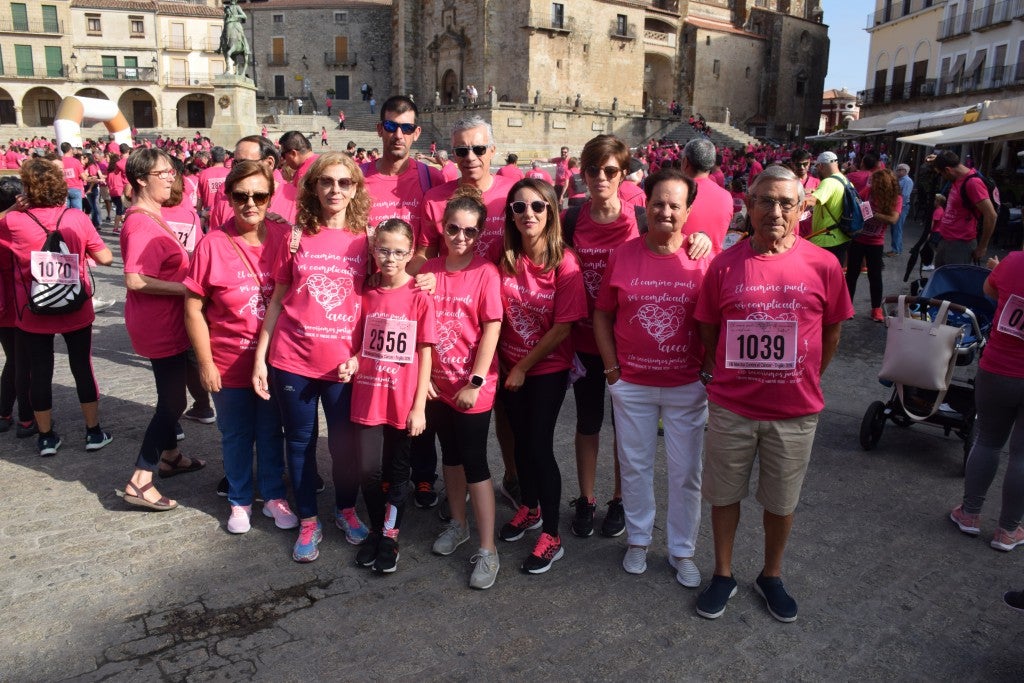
(537, 206)
(609, 171)
(478, 150)
(470, 233)
(258, 198)
(392, 126)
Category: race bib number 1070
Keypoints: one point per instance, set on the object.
(761, 344)
(51, 268)
(389, 339)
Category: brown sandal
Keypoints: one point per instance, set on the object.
(136, 498)
(194, 464)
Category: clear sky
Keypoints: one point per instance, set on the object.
(848, 52)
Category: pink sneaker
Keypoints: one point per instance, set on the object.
(1008, 540)
(967, 522)
(283, 516)
(238, 522)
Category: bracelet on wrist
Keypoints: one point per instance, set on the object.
(614, 368)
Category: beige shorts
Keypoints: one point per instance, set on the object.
(781, 447)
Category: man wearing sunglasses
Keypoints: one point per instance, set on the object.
(397, 182)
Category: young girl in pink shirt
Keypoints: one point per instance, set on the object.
(464, 378)
(390, 376)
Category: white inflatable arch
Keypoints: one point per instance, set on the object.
(74, 110)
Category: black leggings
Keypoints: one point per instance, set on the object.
(532, 413)
(160, 436)
(384, 454)
(14, 382)
(39, 349)
(872, 253)
(589, 394)
(463, 439)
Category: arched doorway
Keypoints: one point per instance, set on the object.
(39, 107)
(7, 115)
(658, 83)
(139, 107)
(449, 88)
(195, 111)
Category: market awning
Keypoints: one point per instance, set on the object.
(930, 119)
(971, 132)
(874, 124)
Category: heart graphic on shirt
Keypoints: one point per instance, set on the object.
(525, 323)
(482, 246)
(327, 292)
(592, 281)
(660, 323)
(257, 304)
(447, 336)
(762, 315)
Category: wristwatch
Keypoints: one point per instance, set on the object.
(705, 377)
(476, 380)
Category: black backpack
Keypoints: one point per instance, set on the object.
(52, 298)
(579, 185)
(572, 215)
(993, 195)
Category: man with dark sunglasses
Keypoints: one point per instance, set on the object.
(396, 181)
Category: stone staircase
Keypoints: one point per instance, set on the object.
(722, 134)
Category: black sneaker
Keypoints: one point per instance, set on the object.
(1014, 599)
(780, 604)
(97, 440)
(25, 430)
(425, 496)
(524, 520)
(368, 550)
(614, 520)
(48, 444)
(583, 520)
(712, 600)
(222, 487)
(387, 556)
(6, 423)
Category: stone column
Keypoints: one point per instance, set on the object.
(234, 110)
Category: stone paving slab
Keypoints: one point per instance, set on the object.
(888, 588)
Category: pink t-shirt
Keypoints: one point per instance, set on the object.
(1004, 354)
(395, 322)
(21, 235)
(937, 215)
(282, 202)
(770, 310)
(489, 242)
(234, 303)
(450, 171)
(191, 190)
(301, 171)
(73, 173)
(113, 148)
(399, 196)
(874, 228)
(594, 243)
(711, 213)
(653, 297)
(959, 221)
(319, 327)
(13, 158)
(534, 302)
(184, 222)
(210, 181)
(631, 192)
(116, 180)
(810, 184)
(561, 169)
(859, 179)
(155, 322)
(718, 177)
(463, 301)
(511, 171)
(540, 174)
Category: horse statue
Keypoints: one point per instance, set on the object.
(233, 44)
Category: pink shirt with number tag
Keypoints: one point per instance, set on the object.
(395, 321)
(184, 223)
(763, 305)
(1004, 353)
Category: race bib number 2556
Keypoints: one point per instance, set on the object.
(389, 339)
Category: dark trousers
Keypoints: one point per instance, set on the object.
(169, 374)
(14, 381)
(39, 349)
(384, 455)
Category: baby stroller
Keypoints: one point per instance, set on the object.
(957, 288)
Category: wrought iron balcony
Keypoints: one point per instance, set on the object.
(178, 43)
(188, 81)
(994, 15)
(276, 59)
(897, 10)
(97, 72)
(540, 21)
(342, 59)
(32, 26)
(914, 90)
(36, 72)
(954, 26)
(619, 31)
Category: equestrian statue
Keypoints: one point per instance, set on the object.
(233, 44)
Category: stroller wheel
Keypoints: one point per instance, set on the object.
(872, 425)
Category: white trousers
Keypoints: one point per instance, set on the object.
(683, 411)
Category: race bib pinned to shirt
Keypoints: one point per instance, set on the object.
(390, 339)
(866, 211)
(51, 268)
(1011, 320)
(761, 344)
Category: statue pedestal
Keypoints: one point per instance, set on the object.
(234, 110)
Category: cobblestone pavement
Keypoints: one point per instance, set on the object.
(888, 588)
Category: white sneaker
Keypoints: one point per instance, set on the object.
(635, 560)
(485, 569)
(238, 522)
(283, 516)
(686, 571)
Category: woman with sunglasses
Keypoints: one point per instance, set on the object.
(312, 326)
(543, 295)
(464, 378)
(229, 283)
(155, 266)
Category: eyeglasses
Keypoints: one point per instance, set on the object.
(166, 174)
(769, 204)
(258, 198)
(609, 171)
(536, 206)
(470, 233)
(384, 254)
(344, 184)
(407, 128)
(478, 150)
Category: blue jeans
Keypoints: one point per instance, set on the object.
(897, 229)
(75, 198)
(94, 203)
(245, 420)
(298, 397)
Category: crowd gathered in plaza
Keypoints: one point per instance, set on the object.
(412, 298)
